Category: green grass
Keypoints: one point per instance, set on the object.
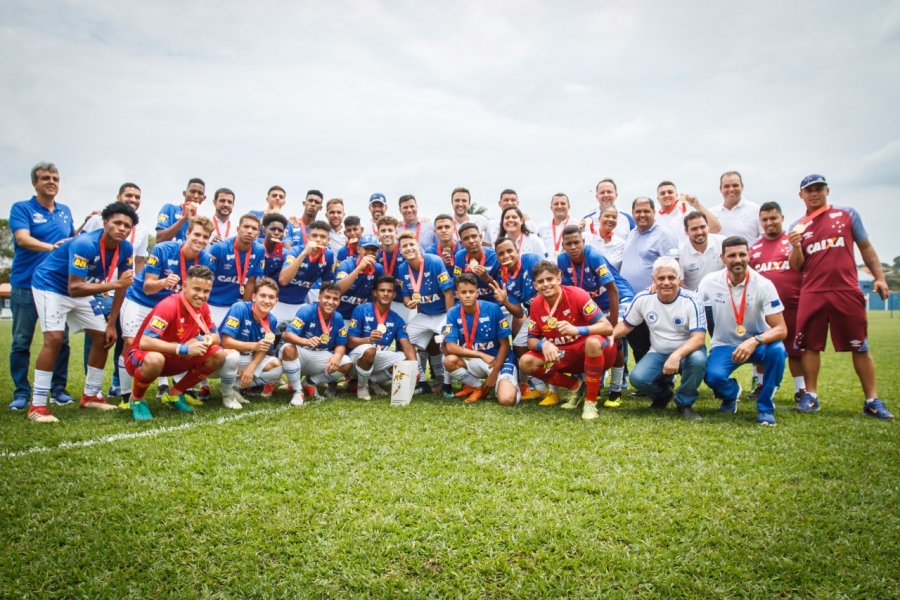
(345, 498)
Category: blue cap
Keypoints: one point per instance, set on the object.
(368, 241)
(377, 198)
(812, 180)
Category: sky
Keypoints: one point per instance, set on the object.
(359, 97)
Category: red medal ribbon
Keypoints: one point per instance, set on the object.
(242, 276)
(303, 233)
(183, 269)
(367, 270)
(738, 314)
(418, 228)
(320, 257)
(263, 321)
(557, 241)
(200, 322)
(469, 341)
(665, 211)
(471, 258)
(381, 319)
(818, 212)
(107, 275)
(416, 283)
(278, 250)
(389, 267)
(218, 232)
(555, 304)
(575, 272)
(507, 276)
(325, 330)
(452, 249)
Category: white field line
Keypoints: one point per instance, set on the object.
(115, 437)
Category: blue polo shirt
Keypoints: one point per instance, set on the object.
(461, 265)
(306, 325)
(308, 275)
(361, 290)
(81, 257)
(168, 216)
(364, 322)
(492, 327)
(641, 251)
(164, 260)
(435, 281)
(593, 274)
(242, 325)
(520, 289)
(44, 226)
(226, 289)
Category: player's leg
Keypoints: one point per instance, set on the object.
(771, 357)
(200, 368)
(647, 377)
(600, 354)
(477, 370)
(459, 371)
(693, 368)
(226, 374)
(52, 311)
(534, 364)
(537, 389)
(143, 368)
(813, 319)
(363, 358)
(719, 368)
(290, 362)
(507, 389)
(93, 381)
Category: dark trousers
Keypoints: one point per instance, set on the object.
(639, 340)
(25, 319)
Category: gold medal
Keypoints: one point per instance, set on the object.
(740, 330)
(324, 337)
(551, 321)
(242, 289)
(353, 240)
(417, 296)
(269, 337)
(799, 228)
(382, 328)
(472, 264)
(208, 339)
(106, 294)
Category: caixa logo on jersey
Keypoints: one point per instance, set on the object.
(652, 317)
(483, 346)
(226, 279)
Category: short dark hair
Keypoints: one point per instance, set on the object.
(607, 180)
(315, 193)
(127, 185)
(329, 287)
(442, 217)
(666, 183)
(406, 197)
(726, 173)
(694, 214)
(197, 180)
(351, 220)
(502, 239)
(468, 278)
(249, 216)
(266, 282)
(544, 265)
(570, 229)
(273, 217)
(119, 208)
(508, 191)
(223, 191)
(642, 200)
(767, 206)
(559, 195)
(276, 187)
(467, 226)
(385, 279)
(200, 272)
(318, 225)
(734, 240)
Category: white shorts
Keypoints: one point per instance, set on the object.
(285, 313)
(384, 359)
(424, 327)
(55, 311)
(273, 374)
(131, 316)
(218, 314)
(407, 314)
(521, 339)
(313, 296)
(623, 310)
(480, 369)
(313, 362)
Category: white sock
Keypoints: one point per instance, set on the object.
(467, 378)
(423, 360)
(228, 373)
(363, 376)
(292, 370)
(537, 384)
(799, 383)
(41, 387)
(555, 389)
(615, 378)
(125, 380)
(162, 381)
(93, 381)
(447, 378)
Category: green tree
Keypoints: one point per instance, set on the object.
(477, 209)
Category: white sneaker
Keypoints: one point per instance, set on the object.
(239, 398)
(589, 411)
(231, 402)
(297, 400)
(377, 389)
(362, 393)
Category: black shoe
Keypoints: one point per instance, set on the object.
(615, 395)
(637, 394)
(659, 404)
(689, 413)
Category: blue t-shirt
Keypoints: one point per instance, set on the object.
(520, 289)
(492, 327)
(226, 287)
(641, 251)
(274, 261)
(361, 290)
(42, 225)
(164, 259)
(81, 257)
(435, 281)
(242, 325)
(461, 265)
(306, 325)
(364, 322)
(168, 216)
(344, 253)
(593, 274)
(307, 276)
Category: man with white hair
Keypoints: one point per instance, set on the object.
(677, 325)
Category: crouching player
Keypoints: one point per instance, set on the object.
(315, 344)
(567, 333)
(476, 342)
(177, 336)
(248, 332)
(373, 327)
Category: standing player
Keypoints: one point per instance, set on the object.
(334, 213)
(315, 345)
(749, 328)
(63, 291)
(446, 246)
(423, 230)
(274, 226)
(673, 208)
(389, 258)
(177, 336)
(822, 247)
(237, 262)
(475, 258)
(373, 328)
(304, 267)
(223, 203)
(551, 233)
(353, 231)
(476, 339)
(248, 333)
(172, 223)
(567, 333)
(356, 276)
(298, 231)
(276, 198)
(460, 199)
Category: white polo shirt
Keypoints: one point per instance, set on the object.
(336, 240)
(670, 324)
(612, 250)
(546, 234)
(480, 220)
(742, 220)
(762, 301)
(673, 220)
(696, 265)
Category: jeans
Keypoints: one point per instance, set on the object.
(24, 321)
(771, 356)
(648, 377)
(107, 308)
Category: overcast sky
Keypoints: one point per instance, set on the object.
(361, 97)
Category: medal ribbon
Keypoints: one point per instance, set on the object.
(381, 319)
(325, 330)
(367, 270)
(279, 250)
(320, 257)
(263, 321)
(738, 314)
(557, 241)
(469, 341)
(389, 267)
(575, 272)
(107, 275)
(242, 276)
(470, 259)
(809, 218)
(555, 304)
(181, 262)
(200, 322)
(418, 228)
(416, 283)
(507, 276)
(673, 206)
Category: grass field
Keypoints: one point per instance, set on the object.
(345, 498)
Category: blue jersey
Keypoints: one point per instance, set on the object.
(164, 260)
(520, 289)
(364, 322)
(81, 257)
(344, 253)
(592, 275)
(461, 265)
(492, 327)
(388, 261)
(274, 261)
(42, 225)
(307, 276)
(306, 325)
(168, 216)
(242, 325)
(435, 281)
(226, 287)
(361, 290)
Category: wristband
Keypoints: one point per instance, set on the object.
(182, 349)
(584, 331)
(540, 345)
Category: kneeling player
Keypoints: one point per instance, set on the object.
(567, 334)
(248, 333)
(177, 336)
(373, 327)
(484, 333)
(315, 345)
